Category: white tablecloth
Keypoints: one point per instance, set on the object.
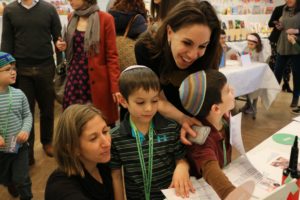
(256, 80)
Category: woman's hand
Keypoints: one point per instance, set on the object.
(292, 38)
(60, 44)
(279, 26)
(186, 128)
(292, 31)
(181, 179)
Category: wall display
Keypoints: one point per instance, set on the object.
(240, 17)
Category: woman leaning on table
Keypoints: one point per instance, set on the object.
(82, 150)
(187, 41)
(93, 71)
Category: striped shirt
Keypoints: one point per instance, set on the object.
(167, 148)
(19, 118)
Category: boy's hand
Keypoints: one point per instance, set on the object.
(22, 137)
(181, 180)
(186, 128)
(2, 142)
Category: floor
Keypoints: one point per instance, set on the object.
(253, 132)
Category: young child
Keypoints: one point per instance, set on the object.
(15, 126)
(146, 144)
(254, 49)
(207, 96)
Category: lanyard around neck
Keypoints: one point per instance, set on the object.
(147, 177)
(225, 127)
(3, 128)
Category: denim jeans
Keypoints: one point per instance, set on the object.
(281, 63)
(37, 84)
(14, 169)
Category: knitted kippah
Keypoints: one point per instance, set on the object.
(5, 59)
(192, 92)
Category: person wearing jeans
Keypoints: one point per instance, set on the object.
(290, 19)
(29, 27)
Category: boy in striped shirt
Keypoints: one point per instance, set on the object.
(146, 144)
(15, 126)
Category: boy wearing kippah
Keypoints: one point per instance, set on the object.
(208, 97)
(15, 126)
(146, 144)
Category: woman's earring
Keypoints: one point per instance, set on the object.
(169, 42)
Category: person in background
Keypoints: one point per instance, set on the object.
(254, 49)
(290, 19)
(82, 150)
(91, 52)
(228, 52)
(28, 29)
(124, 11)
(293, 39)
(159, 9)
(273, 38)
(187, 41)
(162, 164)
(15, 126)
(207, 96)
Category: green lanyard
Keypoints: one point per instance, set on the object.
(147, 177)
(225, 125)
(4, 128)
(224, 151)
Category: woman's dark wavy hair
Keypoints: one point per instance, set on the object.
(186, 13)
(137, 6)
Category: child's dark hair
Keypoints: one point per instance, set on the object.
(215, 82)
(259, 45)
(134, 79)
(223, 32)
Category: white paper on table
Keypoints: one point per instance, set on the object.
(246, 60)
(203, 191)
(283, 191)
(236, 134)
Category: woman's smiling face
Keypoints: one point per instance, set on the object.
(188, 43)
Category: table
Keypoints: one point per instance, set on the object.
(255, 80)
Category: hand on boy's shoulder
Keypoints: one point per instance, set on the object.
(2, 142)
(22, 137)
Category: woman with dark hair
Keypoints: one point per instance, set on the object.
(91, 52)
(82, 151)
(290, 19)
(125, 10)
(187, 41)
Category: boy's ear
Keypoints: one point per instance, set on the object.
(215, 108)
(122, 100)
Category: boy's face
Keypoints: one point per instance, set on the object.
(227, 99)
(8, 75)
(142, 105)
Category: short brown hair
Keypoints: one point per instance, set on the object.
(215, 82)
(66, 138)
(134, 79)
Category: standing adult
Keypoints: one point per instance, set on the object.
(273, 38)
(125, 10)
(187, 41)
(290, 19)
(29, 27)
(93, 72)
